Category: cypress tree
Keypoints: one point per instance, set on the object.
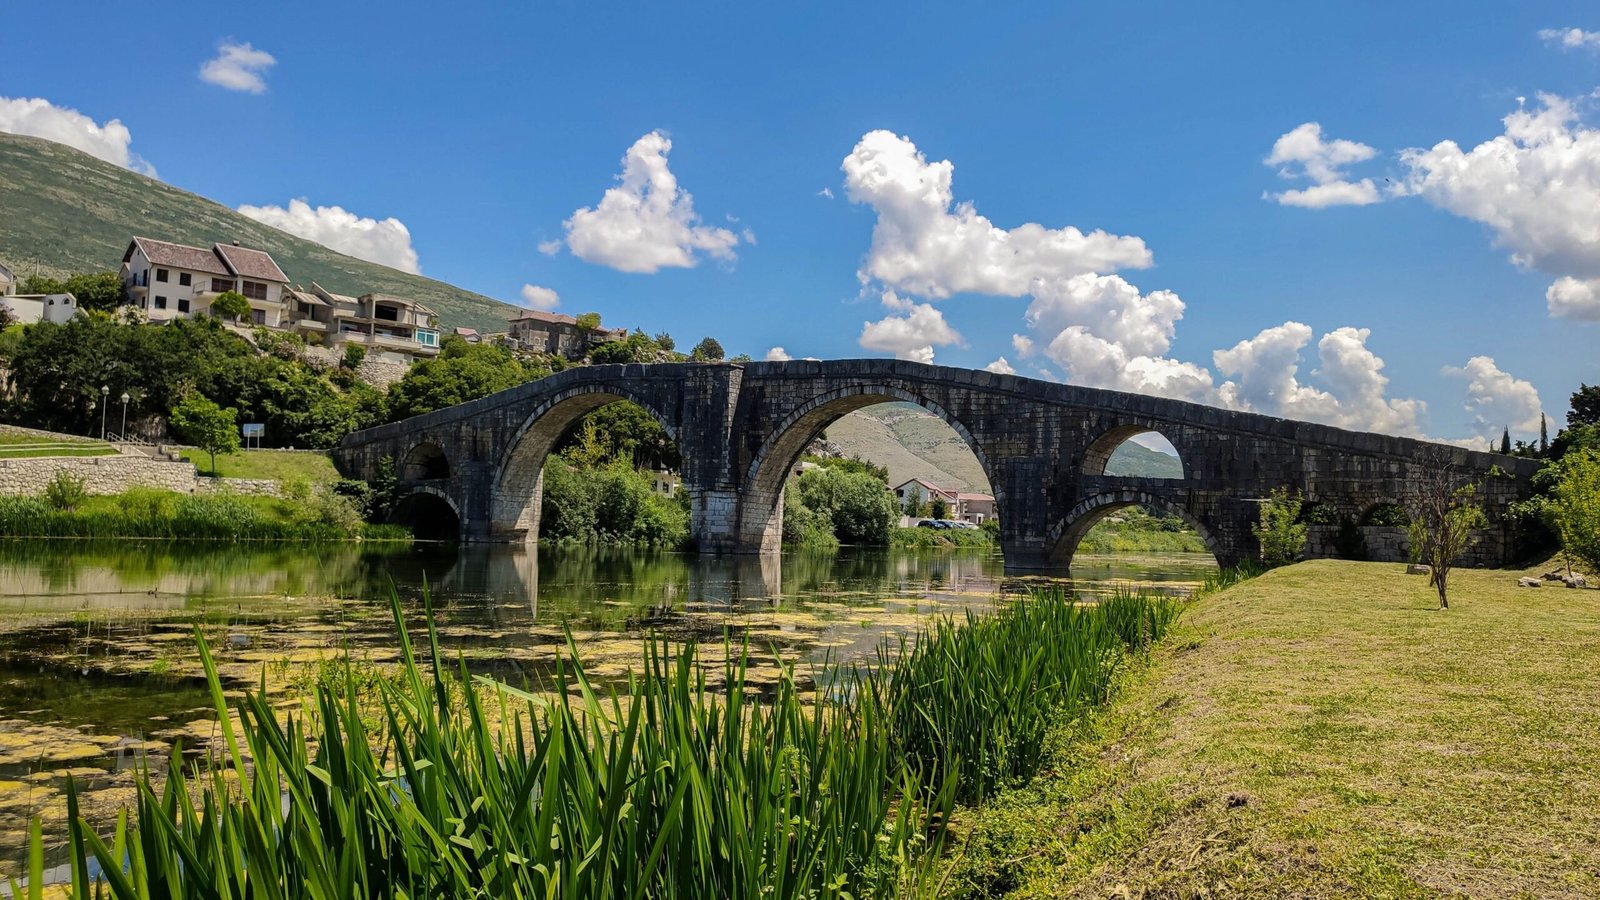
(1544, 437)
(1505, 441)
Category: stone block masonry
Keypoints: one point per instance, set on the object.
(1043, 446)
(100, 474)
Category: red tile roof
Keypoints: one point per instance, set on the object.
(250, 263)
(178, 256)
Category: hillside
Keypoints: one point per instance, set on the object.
(66, 211)
(913, 443)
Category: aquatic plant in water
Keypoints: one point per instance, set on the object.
(677, 784)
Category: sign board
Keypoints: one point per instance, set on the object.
(253, 430)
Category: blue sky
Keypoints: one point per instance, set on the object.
(485, 129)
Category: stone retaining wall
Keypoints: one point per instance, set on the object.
(1392, 543)
(100, 474)
(254, 487)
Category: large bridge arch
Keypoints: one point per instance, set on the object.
(1070, 531)
(761, 495)
(430, 512)
(518, 481)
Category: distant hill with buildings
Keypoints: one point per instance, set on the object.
(913, 443)
(64, 211)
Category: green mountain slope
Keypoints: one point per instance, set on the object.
(913, 443)
(62, 211)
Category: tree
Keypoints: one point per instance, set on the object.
(354, 356)
(588, 322)
(231, 305)
(1544, 436)
(207, 426)
(708, 350)
(1505, 441)
(1585, 405)
(1280, 532)
(1573, 509)
(94, 290)
(1443, 513)
(665, 342)
(939, 508)
(460, 372)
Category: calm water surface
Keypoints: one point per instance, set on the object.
(98, 671)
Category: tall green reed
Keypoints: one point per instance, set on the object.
(675, 783)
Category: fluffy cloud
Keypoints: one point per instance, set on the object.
(778, 354)
(537, 297)
(926, 244)
(383, 241)
(238, 67)
(1000, 367)
(40, 118)
(1537, 186)
(1265, 373)
(1496, 400)
(912, 335)
(646, 223)
(1571, 38)
(1303, 153)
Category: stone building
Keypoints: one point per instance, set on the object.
(556, 334)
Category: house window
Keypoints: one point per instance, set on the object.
(161, 274)
(386, 313)
(161, 302)
(218, 285)
(183, 304)
(428, 338)
(255, 290)
(185, 279)
(259, 315)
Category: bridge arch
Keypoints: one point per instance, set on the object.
(518, 486)
(431, 514)
(1069, 532)
(1099, 452)
(761, 496)
(425, 461)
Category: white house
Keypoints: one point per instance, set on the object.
(8, 281)
(173, 281)
(392, 329)
(965, 506)
(30, 309)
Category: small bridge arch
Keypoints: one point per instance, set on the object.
(518, 484)
(1082, 518)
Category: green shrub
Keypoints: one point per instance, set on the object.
(1279, 532)
(65, 491)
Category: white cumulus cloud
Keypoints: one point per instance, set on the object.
(778, 354)
(1304, 154)
(647, 222)
(537, 297)
(912, 335)
(1571, 38)
(926, 244)
(383, 241)
(40, 118)
(238, 67)
(1000, 367)
(1497, 400)
(1537, 187)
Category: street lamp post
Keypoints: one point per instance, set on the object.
(124, 415)
(104, 393)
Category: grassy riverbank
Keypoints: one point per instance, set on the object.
(1135, 531)
(312, 467)
(1323, 731)
(941, 538)
(682, 785)
(150, 513)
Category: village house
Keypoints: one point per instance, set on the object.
(29, 309)
(554, 333)
(963, 506)
(389, 328)
(174, 281)
(8, 281)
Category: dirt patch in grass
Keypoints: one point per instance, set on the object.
(1324, 731)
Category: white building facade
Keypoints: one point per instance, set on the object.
(174, 281)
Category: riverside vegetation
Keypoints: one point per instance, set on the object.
(678, 782)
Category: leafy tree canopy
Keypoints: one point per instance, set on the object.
(207, 426)
(94, 290)
(461, 372)
(708, 350)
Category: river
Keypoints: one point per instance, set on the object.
(99, 672)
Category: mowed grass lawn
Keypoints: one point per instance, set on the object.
(277, 465)
(1325, 731)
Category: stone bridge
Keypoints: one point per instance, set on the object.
(741, 427)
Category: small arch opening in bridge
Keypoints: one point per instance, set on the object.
(1133, 524)
(425, 462)
(927, 461)
(1133, 451)
(430, 516)
(595, 463)
(1388, 514)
